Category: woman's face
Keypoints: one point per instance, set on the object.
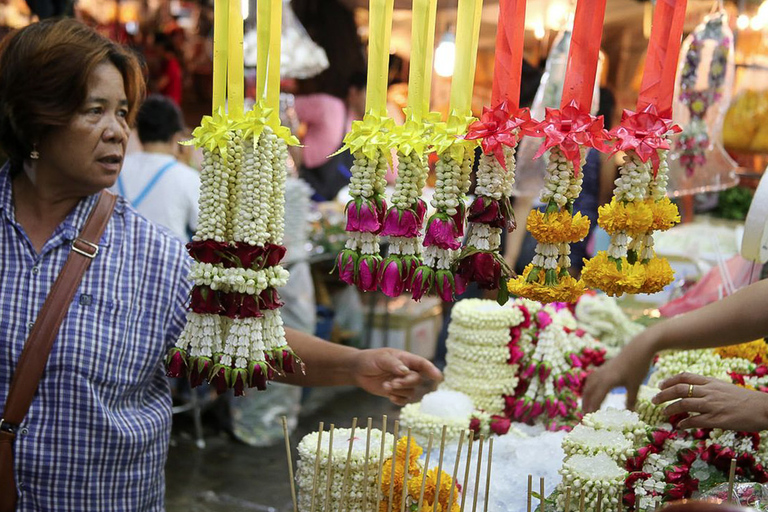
(85, 156)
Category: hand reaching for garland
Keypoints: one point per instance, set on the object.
(713, 403)
(400, 376)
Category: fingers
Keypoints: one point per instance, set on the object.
(632, 397)
(679, 391)
(595, 391)
(699, 421)
(685, 378)
(687, 405)
(399, 400)
(419, 365)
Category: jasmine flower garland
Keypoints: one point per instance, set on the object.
(590, 441)
(593, 474)
(625, 422)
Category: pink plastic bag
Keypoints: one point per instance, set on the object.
(711, 287)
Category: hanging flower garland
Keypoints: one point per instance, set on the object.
(568, 133)
(369, 142)
(694, 141)
(639, 206)
(445, 227)
(234, 335)
(498, 130)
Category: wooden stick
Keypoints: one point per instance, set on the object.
(317, 465)
(731, 480)
(392, 468)
(290, 464)
(439, 469)
(478, 474)
(456, 470)
(426, 470)
(530, 492)
(466, 472)
(407, 463)
(541, 494)
(581, 501)
(599, 500)
(488, 475)
(620, 506)
(329, 472)
(568, 499)
(379, 492)
(345, 481)
(367, 461)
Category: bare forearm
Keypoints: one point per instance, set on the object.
(327, 364)
(739, 318)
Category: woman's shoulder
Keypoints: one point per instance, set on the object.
(146, 234)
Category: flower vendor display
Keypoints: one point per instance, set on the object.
(369, 142)
(568, 133)
(316, 464)
(405, 218)
(602, 317)
(445, 227)
(498, 131)
(640, 205)
(234, 335)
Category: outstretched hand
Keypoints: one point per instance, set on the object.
(400, 376)
(714, 403)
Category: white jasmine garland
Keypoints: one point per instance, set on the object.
(404, 246)
(202, 335)
(601, 316)
(592, 474)
(214, 196)
(368, 175)
(704, 362)
(484, 237)
(423, 424)
(485, 314)
(411, 178)
(236, 279)
(586, 440)
(623, 421)
(560, 183)
(365, 243)
(276, 225)
(437, 258)
(452, 182)
(652, 414)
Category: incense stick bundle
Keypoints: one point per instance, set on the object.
(367, 459)
(345, 481)
(426, 470)
(488, 475)
(379, 493)
(455, 480)
(290, 464)
(466, 473)
(329, 472)
(407, 463)
(392, 468)
(436, 499)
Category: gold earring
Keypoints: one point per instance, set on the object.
(35, 154)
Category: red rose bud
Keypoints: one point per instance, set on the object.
(677, 418)
(392, 279)
(575, 360)
(247, 256)
(482, 268)
(206, 251)
(515, 353)
(403, 223)
(364, 216)
(176, 363)
(353, 215)
(544, 371)
(659, 437)
(634, 476)
(500, 425)
(421, 210)
(200, 367)
(459, 218)
(367, 273)
(543, 319)
(449, 286)
(268, 299)
(676, 492)
(346, 263)
(536, 410)
(442, 232)
(275, 254)
(258, 375)
(485, 210)
(239, 379)
(205, 301)
(526, 317)
(220, 378)
(474, 425)
(761, 371)
(289, 360)
(422, 283)
(231, 304)
(410, 264)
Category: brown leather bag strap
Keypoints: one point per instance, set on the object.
(34, 356)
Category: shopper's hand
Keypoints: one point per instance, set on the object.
(714, 403)
(628, 369)
(400, 376)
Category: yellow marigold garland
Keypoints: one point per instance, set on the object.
(613, 277)
(665, 214)
(535, 287)
(631, 218)
(753, 351)
(414, 470)
(557, 227)
(658, 274)
(430, 486)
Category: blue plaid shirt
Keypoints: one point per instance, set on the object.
(96, 435)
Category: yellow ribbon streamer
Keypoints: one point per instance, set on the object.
(430, 53)
(380, 31)
(467, 36)
(220, 36)
(235, 65)
(273, 67)
(263, 20)
(416, 74)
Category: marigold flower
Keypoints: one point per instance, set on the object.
(658, 274)
(603, 273)
(567, 288)
(755, 351)
(665, 214)
(557, 227)
(631, 218)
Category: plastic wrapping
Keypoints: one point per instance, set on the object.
(301, 57)
(698, 161)
(529, 179)
(745, 495)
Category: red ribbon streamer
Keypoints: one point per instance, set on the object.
(584, 54)
(498, 127)
(658, 85)
(508, 65)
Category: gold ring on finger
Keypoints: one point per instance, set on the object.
(690, 390)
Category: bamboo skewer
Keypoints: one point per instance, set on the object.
(436, 499)
(567, 499)
(488, 475)
(367, 461)
(581, 501)
(379, 492)
(290, 464)
(345, 481)
(478, 474)
(599, 506)
(731, 480)
(392, 468)
(530, 492)
(620, 506)
(541, 494)
(466, 472)
(406, 466)
(455, 480)
(426, 470)
(329, 472)
(317, 466)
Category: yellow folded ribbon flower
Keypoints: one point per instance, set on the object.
(557, 227)
(665, 214)
(612, 277)
(369, 136)
(213, 132)
(634, 219)
(448, 136)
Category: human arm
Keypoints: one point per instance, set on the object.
(736, 319)
(717, 404)
(386, 372)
